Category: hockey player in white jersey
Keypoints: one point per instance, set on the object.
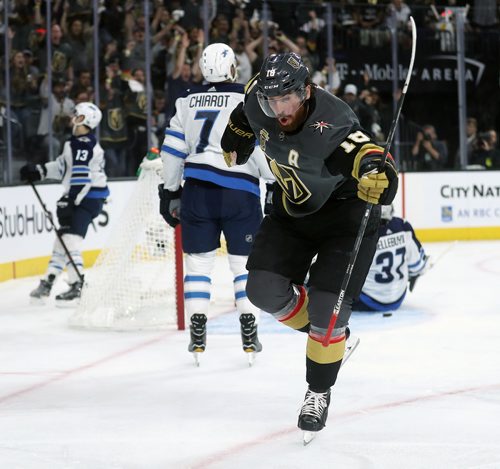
(214, 198)
(399, 260)
(81, 169)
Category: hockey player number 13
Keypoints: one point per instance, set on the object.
(81, 155)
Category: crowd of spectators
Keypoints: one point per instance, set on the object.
(177, 39)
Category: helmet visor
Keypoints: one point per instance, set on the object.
(282, 106)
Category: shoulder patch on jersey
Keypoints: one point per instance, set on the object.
(251, 84)
(320, 125)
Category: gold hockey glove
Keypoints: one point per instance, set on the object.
(238, 137)
(376, 185)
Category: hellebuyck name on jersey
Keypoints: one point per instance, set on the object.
(391, 241)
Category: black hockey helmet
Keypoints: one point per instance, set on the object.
(281, 74)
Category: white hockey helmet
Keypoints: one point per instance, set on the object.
(87, 114)
(218, 63)
(386, 212)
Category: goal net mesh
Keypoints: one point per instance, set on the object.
(132, 284)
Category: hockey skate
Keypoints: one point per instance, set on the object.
(198, 331)
(40, 293)
(350, 345)
(70, 297)
(249, 338)
(313, 414)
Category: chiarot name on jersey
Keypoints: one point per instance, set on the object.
(211, 100)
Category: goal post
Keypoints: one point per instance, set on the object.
(137, 280)
(179, 279)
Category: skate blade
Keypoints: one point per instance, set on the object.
(307, 437)
(351, 345)
(197, 356)
(251, 355)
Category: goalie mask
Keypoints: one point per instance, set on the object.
(87, 114)
(218, 63)
(386, 212)
(282, 83)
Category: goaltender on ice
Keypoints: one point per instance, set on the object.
(326, 167)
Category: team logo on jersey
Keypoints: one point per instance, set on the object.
(115, 119)
(141, 101)
(293, 187)
(59, 62)
(320, 125)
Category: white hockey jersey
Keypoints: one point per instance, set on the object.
(191, 148)
(80, 166)
(399, 255)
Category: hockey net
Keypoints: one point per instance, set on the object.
(136, 281)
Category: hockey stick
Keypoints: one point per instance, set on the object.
(49, 216)
(369, 205)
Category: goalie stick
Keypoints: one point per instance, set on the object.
(369, 206)
(432, 263)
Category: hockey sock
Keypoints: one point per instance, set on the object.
(323, 363)
(237, 265)
(198, 282)
(295, 314)
(57, 260)
(73, 243)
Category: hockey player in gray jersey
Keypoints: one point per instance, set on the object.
(213, 199)
(326, 167)
(81, 169)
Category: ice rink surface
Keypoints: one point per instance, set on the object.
(421, 391)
